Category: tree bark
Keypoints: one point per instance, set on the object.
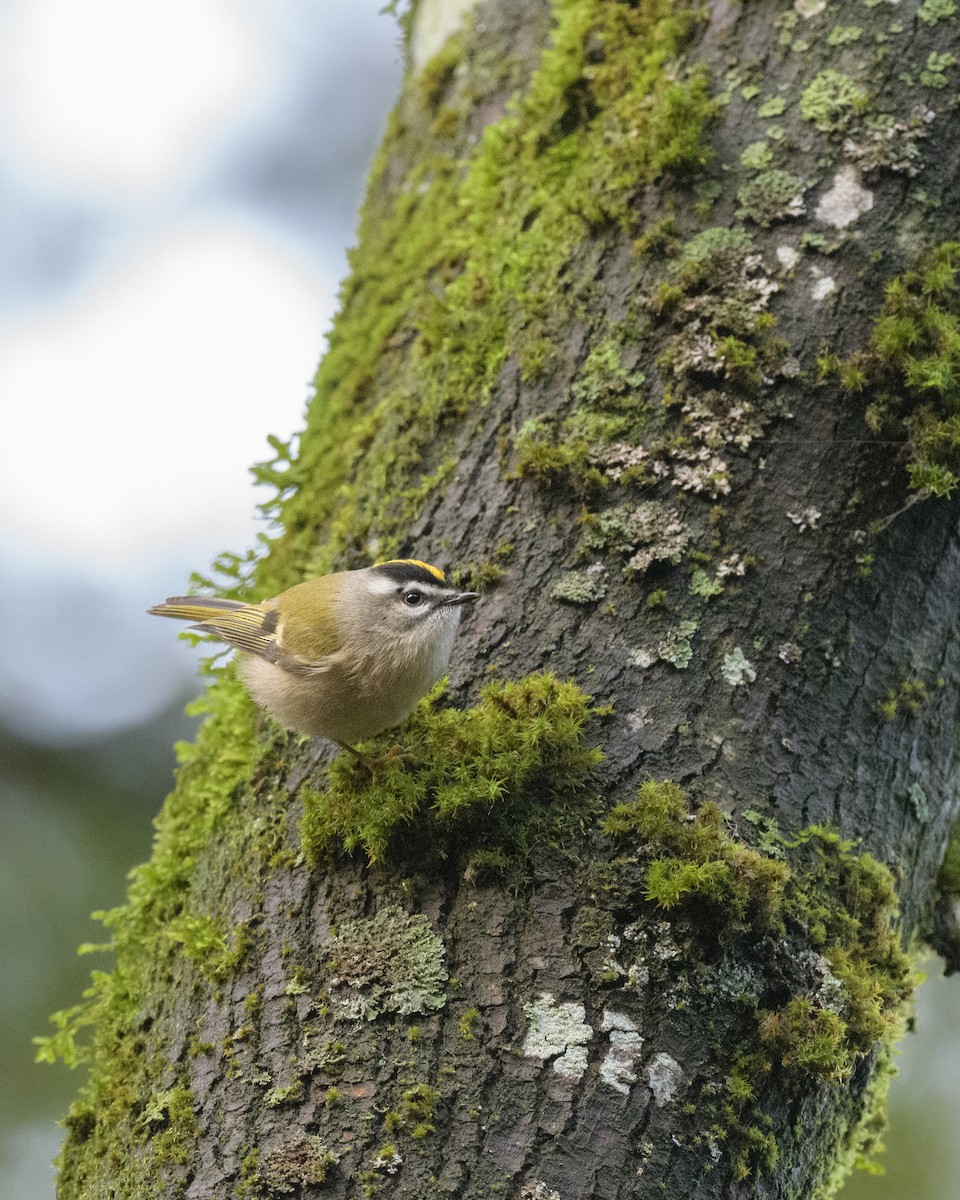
(616, 348)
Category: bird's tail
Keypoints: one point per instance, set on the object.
(249, 627)
(201, 609)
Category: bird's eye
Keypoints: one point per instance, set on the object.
(413, 597)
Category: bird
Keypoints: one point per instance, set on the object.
(343, 656)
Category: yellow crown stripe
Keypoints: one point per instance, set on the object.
(414, 562)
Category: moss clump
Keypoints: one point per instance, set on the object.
(486, 575)
(415, 1113)
(206, 941)
(813, 899)
(809, 1038)
(912, 369)
(698, 862)
(491, 779)
(907, 699)
(548, 453)
(948, 879)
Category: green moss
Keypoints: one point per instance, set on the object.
(206, 941)
(813, 895)
(414, 1116)
(468, 1023)
(463, 262)
(698, 861)
(540, 454)
(499, 775)
(149, 936)
(831, 100)
(466, 264)
(911, 369)
(486, 575)
(808, 1038)
(948, 879)
(907, 699)
(435, 77)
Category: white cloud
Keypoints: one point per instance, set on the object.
(121, 97)
(131, 414)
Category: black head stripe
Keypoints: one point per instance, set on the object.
(403, 571)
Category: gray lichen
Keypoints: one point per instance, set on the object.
(390, 963)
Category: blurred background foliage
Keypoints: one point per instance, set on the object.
(178, 184)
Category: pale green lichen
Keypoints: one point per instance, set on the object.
(934, 74)
(843, 35)
(704, 585)
(648, 532)
(676, 647)
(757, 156)
(776, 106)
(931, 12)
(771, 196)
(581, 587)
(737, 669)
(919, 802)
(302, 1161)
(392, 962)
(831, 100)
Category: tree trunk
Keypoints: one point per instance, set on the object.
(616, 348)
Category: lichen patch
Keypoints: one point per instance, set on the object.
(846, 201)
(558, 1031)
(664, 1074)
(737, 668)
(618, 1068)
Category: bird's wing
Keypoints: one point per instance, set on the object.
(250, 627)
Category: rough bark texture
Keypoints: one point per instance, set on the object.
(609, 346)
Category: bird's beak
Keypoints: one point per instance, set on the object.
(459, 598)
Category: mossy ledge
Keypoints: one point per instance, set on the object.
(491, 782)
(807, 930)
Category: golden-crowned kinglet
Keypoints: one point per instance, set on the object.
(342, 656)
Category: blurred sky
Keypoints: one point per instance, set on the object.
(178, 182)
(177, 185)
